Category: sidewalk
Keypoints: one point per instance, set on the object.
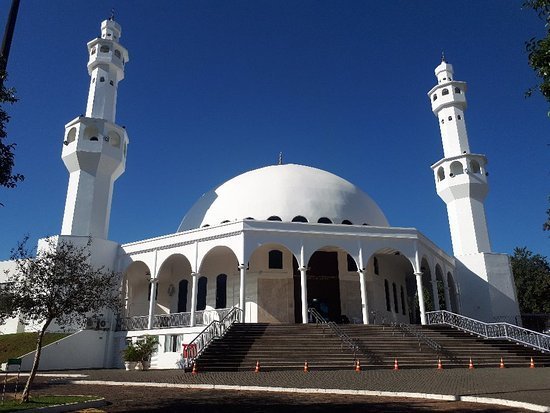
(531, 386)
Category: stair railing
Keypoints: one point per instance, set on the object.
(407, 329)
(216, 329)
(507, 331)
(344, 338)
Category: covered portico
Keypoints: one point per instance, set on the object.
(262, 267)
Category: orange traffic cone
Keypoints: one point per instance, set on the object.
(395, 364)
(257, 369)
(471, 365)
(439, 365)
(532, 364)
(357, 366)
(194, 371)
(501, 365)
(306, 367)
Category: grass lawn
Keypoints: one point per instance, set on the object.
(42, 401)
(15, 345)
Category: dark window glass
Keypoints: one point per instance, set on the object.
(201, 293)
(221, 291)
(182, 296)
(276, 259)
(387, 289)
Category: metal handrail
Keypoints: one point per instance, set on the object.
(507, 331)
(421, 337)
(169, 320)
(344, 338)
(216, 329)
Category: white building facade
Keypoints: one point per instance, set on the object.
(278, 240)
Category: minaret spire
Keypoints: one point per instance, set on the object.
(94, 150)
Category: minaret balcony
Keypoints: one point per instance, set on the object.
(104, 51)
(94, 136)
(448, 94)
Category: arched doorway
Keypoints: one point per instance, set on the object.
(323, 286)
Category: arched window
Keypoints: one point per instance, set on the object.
(117, 53)
(205, 226)
(221, 291)
(274, 218)
(201, 293)
(90, 133)
(434, 97)
(71, 136)
(376, 267)
(182, 296)
(249, 219)
(346, 222)
(93, 51)
(474, 166)
(457, 90)
(104, 49)
(102, 79)
(445, 92)
(114, 139)
(403, 301)
(456, 168)
(324, 220)
(387, 290)
(352, 265)
(299, 218)
(225, 221)
(395, 302)
(440, 174)
(276, 259)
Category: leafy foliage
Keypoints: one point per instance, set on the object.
(7, 178)
(532, 277)
(57, 283)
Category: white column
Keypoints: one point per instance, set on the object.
(364, 303)
(303, 288)
(153, 282)
(420, 292)
(195, 276)
(242, 290)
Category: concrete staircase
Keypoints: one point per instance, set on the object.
(287, 347)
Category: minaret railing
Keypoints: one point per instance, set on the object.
(506, 331)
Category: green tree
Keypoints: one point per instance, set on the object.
(57, 283)
(532, 278)
(539, 49)
(7, 178)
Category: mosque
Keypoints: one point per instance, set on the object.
(274, 241)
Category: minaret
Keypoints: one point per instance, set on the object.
(94, 148)
(484, 278)
(461, 177)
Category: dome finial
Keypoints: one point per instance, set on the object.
(280, 162)
(443, 57)
(112, 18)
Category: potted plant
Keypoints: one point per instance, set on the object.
(131, 356)
(146, 347)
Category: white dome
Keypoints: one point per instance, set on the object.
(284, 191)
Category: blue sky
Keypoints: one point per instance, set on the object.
(216, 88)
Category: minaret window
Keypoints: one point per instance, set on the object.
(71, 136)
(457, 90)
(456, 168)
(111, 83)
(450, 118)
(474, 166)
(440, 174)
(104, 49)
(445, 92)
(91, 133)
(102, 79)
(434, 97)
(117, 53)
(93, 51)
(459, 117)
(114, 139)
